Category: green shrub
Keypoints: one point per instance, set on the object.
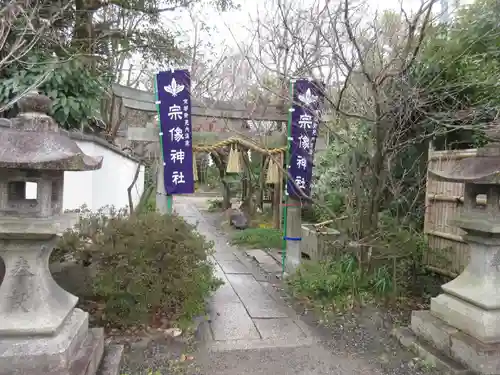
(150, 205)
(212, 178)
(258, 238)
(215, 205)
(146, 263)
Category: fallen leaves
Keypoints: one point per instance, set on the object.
(173, 332)
(185, 358)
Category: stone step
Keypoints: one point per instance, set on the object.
(428, 353)
(88, 357)
(483, 358)
(265, 261)
(111, 360)
(272, 343)
(277, 255)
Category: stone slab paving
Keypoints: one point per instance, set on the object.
(221, 256)
(258, 303)
(239, 308)
(251, 331)
(231, 322)
(233, 267)
(225, 294)
(284, 328)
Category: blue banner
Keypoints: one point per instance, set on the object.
(308, 97)
(174, 103)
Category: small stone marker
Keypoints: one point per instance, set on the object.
(238, 219)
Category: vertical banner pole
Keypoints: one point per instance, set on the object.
(162, 201)
(287, 163)
(170, 204)
(173, 98)
(307, 98)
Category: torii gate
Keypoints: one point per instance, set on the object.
(130, 99)
(233, 114)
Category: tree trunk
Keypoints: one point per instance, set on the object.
(262, 183)
(226, 196)
(82, 30)
(226, 191)
(247, 201)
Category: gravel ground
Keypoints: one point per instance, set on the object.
(167, 356)
(366, 333)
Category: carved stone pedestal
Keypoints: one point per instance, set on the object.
(41, 331)
(31, 303)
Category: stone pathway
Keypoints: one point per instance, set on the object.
(251, 330)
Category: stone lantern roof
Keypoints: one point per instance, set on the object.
(484, 168)
(481, 176)
(32, 141)
(479, 169)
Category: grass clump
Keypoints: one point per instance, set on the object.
(343, 283)
(258, 238)
(388, 268)
(337, 283)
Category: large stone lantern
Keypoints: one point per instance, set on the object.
(464, 321)
(41, 331)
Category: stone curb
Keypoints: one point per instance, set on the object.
(428, 353)
(111, 362)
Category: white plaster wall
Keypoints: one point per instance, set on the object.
(105, 186)
(78, 185)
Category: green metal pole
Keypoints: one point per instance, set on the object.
(169, 197)
(170, 203)
(287, 163)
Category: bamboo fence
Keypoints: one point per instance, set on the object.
(448, 253)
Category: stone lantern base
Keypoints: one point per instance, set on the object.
(448, 348)
(74, 350)
(462, 329)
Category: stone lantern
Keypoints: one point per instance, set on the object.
(464, 321)
(41, 331)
